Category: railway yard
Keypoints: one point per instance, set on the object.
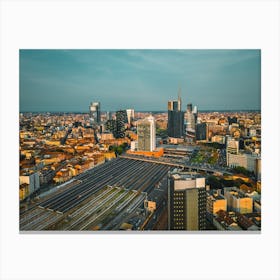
(103, 198)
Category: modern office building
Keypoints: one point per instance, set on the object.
(146, 131)
(130, 115)
(94, 112)
(108, 116)
(190, 122)
(186, 201)
(189, 107)
(201, 132)
(175, 127)
(195, 113)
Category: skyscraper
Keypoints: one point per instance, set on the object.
(189, 107)
(130, 115)
(108, 116)
(195, 113)
(94, 112)
(121, 120)
(191, 120)
(146, 130)
(175, 118)
(201, 131)
(186, 201)
(111, 125)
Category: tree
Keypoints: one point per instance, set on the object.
(214, 182)
(242, 170)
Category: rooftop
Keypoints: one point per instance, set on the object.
(187, 176)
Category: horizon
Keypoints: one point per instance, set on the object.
(140, 111)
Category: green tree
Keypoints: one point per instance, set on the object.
(242, 170)
(214, 182)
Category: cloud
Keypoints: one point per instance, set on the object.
(144, 78)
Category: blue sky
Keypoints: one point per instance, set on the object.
(68, 80)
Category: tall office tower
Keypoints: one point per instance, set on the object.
(190, 122)
(175, 118)
(108, 116)
(130, 115)
(186, 201)
(195, 113)
(191, 117)
(146, 131)
(121, 120)
(94, 112)
(201, 131)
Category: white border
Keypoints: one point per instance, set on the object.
(156, 24)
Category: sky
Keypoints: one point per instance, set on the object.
(144, 80)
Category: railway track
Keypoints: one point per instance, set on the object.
(140, 176)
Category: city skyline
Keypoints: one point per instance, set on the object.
(68, 80)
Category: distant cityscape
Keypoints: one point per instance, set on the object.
(181, 169)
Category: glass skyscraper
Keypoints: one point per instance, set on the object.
(94, 112)
(175, 126)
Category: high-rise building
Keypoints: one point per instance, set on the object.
(189, 108)
(121, 120)
(201, 131)
(146, 131)
(94, 112)
(130, 115)
(111, 125)
(190, 122)
(232, 147)
(195, 113)
(175, 126)
(108, 116)
(186, 201)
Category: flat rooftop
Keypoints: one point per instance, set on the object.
(178, 175)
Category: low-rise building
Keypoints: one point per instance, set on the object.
(32, 181)
(223, 221)
(158, 152)
(238, 201)
(245, 223)
(218, 139)
(215, 202)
